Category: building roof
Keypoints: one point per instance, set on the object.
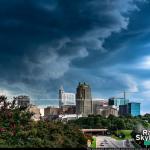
(135, 102)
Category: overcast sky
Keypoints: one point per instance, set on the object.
(48, 43)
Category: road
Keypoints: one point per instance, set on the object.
(108, 142)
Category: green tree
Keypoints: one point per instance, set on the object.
(18, 130)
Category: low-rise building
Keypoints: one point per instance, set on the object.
(67, 117)
(36, 112)
(105, 111)
(98, 102)
(51, 111)
(42, 111)
(50, 117)
(68, 109)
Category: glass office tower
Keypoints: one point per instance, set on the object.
(117, 101)
(134, 108)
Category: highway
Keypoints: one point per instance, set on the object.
(108, 142)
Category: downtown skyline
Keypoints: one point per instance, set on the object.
(48, 43)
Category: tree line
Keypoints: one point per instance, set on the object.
(112, 122)
(18, 130)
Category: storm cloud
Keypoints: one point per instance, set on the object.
(47, 43)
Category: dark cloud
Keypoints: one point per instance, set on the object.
(42, 41)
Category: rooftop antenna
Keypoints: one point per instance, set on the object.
(61, 88)
(124, 94)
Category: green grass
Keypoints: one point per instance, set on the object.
(93, 144)
(127, 134)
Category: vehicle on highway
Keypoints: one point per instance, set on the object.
(127, 143)
(101, 144)
(106, 142)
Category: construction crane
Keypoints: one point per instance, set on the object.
(124, 93)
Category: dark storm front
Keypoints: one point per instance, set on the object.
(98, 50)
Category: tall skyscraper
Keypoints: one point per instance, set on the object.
(83, 99)
(66, 98)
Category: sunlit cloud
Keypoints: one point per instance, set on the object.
(144, 63)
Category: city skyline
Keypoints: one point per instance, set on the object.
(83, 92)
(48, 43)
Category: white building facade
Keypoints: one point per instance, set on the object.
(66, 98)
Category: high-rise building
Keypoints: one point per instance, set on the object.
(117, 101)
(23, 101)
(83, 99)
(66, 98)
(132, 108)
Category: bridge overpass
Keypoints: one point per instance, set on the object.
(95, 131)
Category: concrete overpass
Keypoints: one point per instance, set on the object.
(95, 131)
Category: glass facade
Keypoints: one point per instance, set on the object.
(118, 101)
(123, 110)
(134, 108)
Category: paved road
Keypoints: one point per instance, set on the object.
(108, 142)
